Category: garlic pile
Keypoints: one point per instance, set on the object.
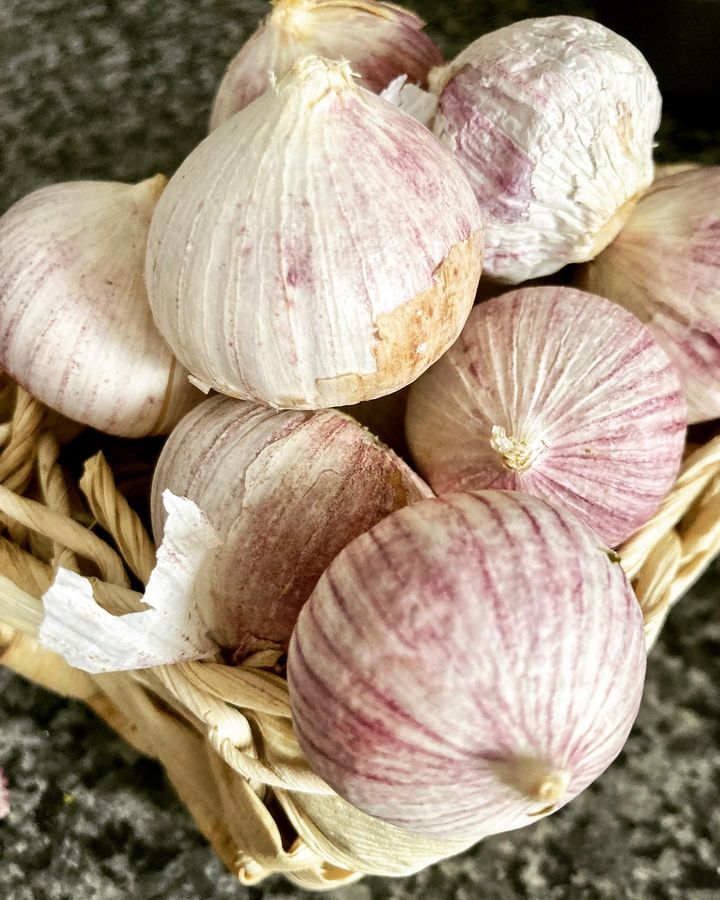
(557, 393)
(286, 491)
(459, 664)
(379, 40)
(553, 121)
(75, 324)
(469, 665)
(665, 268)
(318, 249)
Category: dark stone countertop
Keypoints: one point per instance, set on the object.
(120, 89)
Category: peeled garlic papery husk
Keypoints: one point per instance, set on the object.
(169, 624)
(380, 40)
(469, 665)
(76, 329)
(553, 121)
(318, 249)
(286, 491)
(665, 268)
(557, 393)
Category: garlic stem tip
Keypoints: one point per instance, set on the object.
(154, 186)
(516, 454)
(338, 74)
(551, 788)
(291, 17)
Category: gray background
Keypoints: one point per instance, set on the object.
(120, 89)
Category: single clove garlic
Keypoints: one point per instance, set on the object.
(286, 491)
(76, 329)
(664, 267)
(468, 666)
(380, 41)
(318, 249)
(553, 121)
(557, 393)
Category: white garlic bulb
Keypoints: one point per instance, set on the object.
(553, 121)
(318, 249)
(286, 491)
(76, 328)
(468, 665)
(379, 40)
(665, 268)
(556, 393)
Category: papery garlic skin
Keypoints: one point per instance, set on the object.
(665, 268)
(76, 329)
(469, 665)
(553, 121)
(380, 41)
(286, 491)
(318, 249)
(558, 393)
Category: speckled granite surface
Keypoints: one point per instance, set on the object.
(119, 89)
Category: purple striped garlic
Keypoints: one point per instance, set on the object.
(286, 491)
(318, 249)
(76, 329)
(553, 121)
(558, 393)
(468, 666)
(665, 268)
(380, 41)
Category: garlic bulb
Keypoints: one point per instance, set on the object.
(467, 666)
(318, 249)
(379, 40)
(556, 393)
(286, 491)
(76, 328)
(553, 121)
(664, 268)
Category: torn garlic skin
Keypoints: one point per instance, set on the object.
(173, 629)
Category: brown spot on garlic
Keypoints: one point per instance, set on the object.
(412, 337)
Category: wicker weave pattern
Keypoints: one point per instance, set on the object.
(224, 734)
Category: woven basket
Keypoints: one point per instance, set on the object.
(224, 733)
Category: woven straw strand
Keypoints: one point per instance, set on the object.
(114, 513)
(18, 457)
(64, 531)
(697, 472)
(55, 493)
